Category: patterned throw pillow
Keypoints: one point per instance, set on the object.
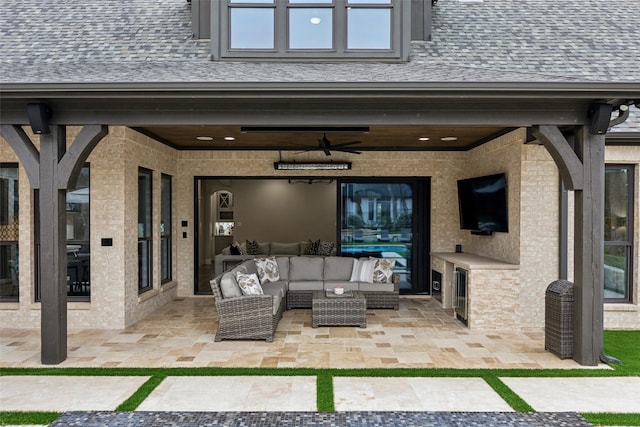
(383, 269)
(325, 248)
(235, 250)
(249, 284)
(267, 269)
(312, 247)
(362, 270)
(253, 248)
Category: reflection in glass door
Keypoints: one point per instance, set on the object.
(388, 218)
(618, 233)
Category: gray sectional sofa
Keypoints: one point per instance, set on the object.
(224, 260)
(257, 316)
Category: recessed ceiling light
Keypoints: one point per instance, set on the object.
(423, 138)
(204, 138)
(315, 20)
(229, 138)
(449, 138)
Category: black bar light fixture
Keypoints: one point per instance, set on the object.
(311, 166)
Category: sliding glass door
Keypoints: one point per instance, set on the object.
(388, 218)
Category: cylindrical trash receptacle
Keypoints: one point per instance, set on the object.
(558, 316)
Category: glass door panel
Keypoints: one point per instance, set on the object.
(377, 219)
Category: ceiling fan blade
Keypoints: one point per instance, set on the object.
(347, 150)
(345, 144)
(324, 142)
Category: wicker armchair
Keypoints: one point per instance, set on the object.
(246, 317)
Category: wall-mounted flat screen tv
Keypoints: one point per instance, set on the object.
(483, 204)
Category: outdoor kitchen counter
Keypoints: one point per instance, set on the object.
(484, 294)
(474, 262)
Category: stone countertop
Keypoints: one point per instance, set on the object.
(474, 262)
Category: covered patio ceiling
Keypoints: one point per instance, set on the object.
(307, 138)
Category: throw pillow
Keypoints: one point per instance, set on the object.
(362, 270)
(383, 269)
(234, 250)
(312, 247)
(249, 284)
(253, 248)
(325, 248)
(267, 269)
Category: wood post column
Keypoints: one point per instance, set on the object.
(53, 239)
(589, 250)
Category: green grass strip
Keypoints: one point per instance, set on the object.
(132, 403)
(325, 397)
(612, 419)
(507, 394)
(625, 346)
(361, 372)
(21, 418)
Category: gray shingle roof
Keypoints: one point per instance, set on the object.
(492, 41)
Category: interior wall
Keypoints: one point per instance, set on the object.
(276, 210)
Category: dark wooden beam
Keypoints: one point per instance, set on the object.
(569, 165)
(73, 160)
(589, 250)
(25, 150)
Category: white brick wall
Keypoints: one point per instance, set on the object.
(518, 301)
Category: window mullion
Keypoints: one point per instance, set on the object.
(281, 26)
(340, 26)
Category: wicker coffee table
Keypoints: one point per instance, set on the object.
(339, 310)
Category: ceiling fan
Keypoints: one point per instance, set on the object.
(325, 145)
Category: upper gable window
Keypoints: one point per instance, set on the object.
(312, 29)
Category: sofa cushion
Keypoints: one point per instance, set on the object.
(383, 270)
(229, 286)
(337, 268)
(275, 292)
(249, 284)
(283, 267)
(363, 270)
(281, 287)
(284, 249)
(264, 248)
(268, 270)
(306, 268)
(248, 266)
(375, 287)
(306, 285)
